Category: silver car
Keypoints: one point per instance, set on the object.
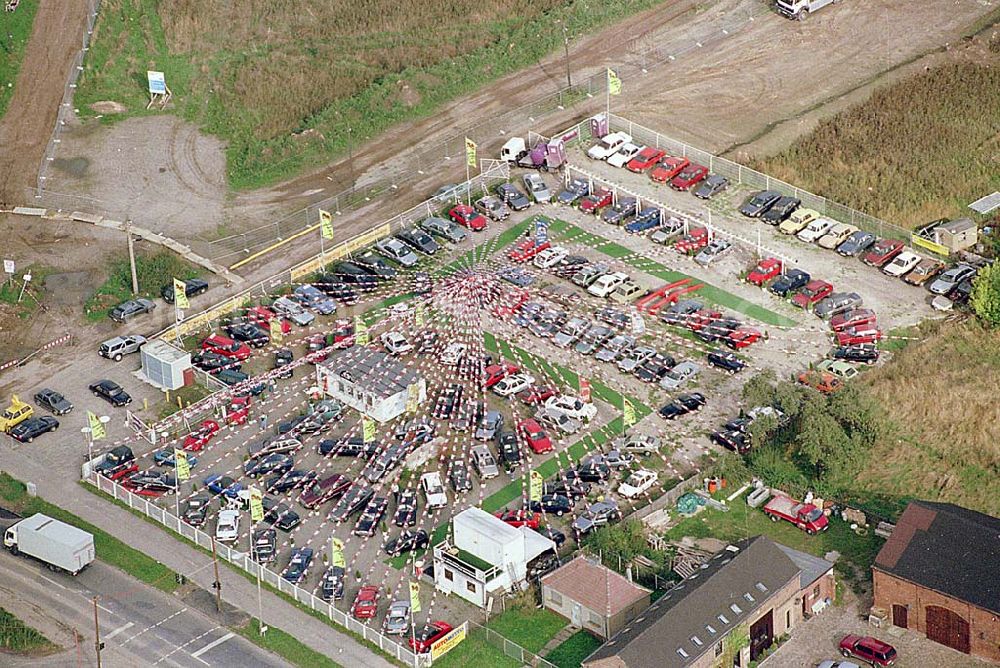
(536, 187)
(643, 444)
(313, 298)
(558, 420)
(571, 332)
(485, 462)
(634, 358)
(679, 375)
(619, 345)
(712, 252)
(492, 207)
(443, 228)
(397, 251)
(293, 311)
(397, 620)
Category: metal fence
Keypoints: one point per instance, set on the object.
(243, 561)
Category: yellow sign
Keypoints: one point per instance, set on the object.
(614, 83)
(181, 465)
(275, 325)
(205, 318)
(629, 412)
(180, 296)
(96, 427)
(361, 336)
(325, 224)
(418, 315)
(340, 250)
(337, 553)
(448, 643)
(256, 504)
(368, 428)
(412, 397)
(929, 245)
(470, 152)
(535, 486)
(414, 598)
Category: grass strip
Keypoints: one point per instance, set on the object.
(17, 31)
(19, 638)
(572, 651)
(286, 646)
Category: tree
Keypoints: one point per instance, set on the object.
(759, 390)
(985, 298)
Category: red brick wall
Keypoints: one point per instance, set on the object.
(984, 626)
(827, 589)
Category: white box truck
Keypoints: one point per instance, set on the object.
(59, 545)
(800, 9)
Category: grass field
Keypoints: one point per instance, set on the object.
(19, 638)
(572, 652)
(917, 150)
(13, 39)
(530, 628)
(153, 271)
(285, 646)
(283, 82)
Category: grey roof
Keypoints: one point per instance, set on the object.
(957, 225)
(373, 370)
(812, 567)
(700, 607)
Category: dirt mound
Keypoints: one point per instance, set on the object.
(109, 107)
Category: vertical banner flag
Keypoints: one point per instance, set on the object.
(275, 326)
(180, 297)
(412, 398)
(535, 486)
(256, 505)
(614, 83)
(629, 412)
(326, 224)
(361, 336)
(418, 316)
(182, 466)
(585, 390)
(470, 152)
(368, 428)
(414, 597)
(96, 427)
(541, 230)
(337, 553)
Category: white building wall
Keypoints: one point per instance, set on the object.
(355, 396)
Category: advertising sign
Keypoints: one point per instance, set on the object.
(157, 82)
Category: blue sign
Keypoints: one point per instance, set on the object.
(157, 83)
(541, 231)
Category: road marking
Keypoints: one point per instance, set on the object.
(124, 627)
(162, 621)
(213, 644)
(179, 648)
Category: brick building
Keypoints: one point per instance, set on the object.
(938, 575)
(593, 596)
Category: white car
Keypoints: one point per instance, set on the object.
(293, 311)
(537, 188)
(453, 354)
(397, 251)
(607, 283)
(815, 230)
(572, 406)
(903, 263)
(608, 145)
(638, 483)
(513, 384)
(227, 529)
(558, 420)
(624, 154)
(395, 343)
(679, 375)
(434, 490)
(550, 257)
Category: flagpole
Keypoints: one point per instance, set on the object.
(607, 86)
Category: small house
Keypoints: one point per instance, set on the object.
(593, 596)
(370, 381)
(958, 234)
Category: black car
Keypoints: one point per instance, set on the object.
(348, 446)
(214, 362)
(613, 317)
(961, 293)
(780, 210)
(679, 313)
(448, 401)
(589, 470)
(508, 450)
(391, 457)
(740, 424)
(295, 479)
(415, 431)
(111, 392)
(151, 481)
(192, 287)
(249, 333)
(857, 243)
(574, 489)
(692, 400)
(511, 195)
(348, 272)
(375, 265)
(553, 504)
(718, 329)
(235, 377)
(419, 240)
(331, 586)
(117, 461)
(711, 186)
(195, 509)
(616, 215)
(672, 410)
(866, 353)
(353, 500)
(298, 564)
(277, 462)
(458, 476)
(280, 514)
(406, 509)
(726, 361)
(53, 401)
(407, 541)
(283, 358)
(759, 202)
(265, 545)
(128, 309)
(576, 189)
(553, 534)
(371, 516)
(333, 286)
(793, 280)
(655, 368)
(684, 404)
(732, 439)
(27, 431)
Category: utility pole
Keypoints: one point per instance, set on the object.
(217, 585)
(98, 645)
(569, 80)
(131, 256)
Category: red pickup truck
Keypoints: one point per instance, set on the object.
(805, 516)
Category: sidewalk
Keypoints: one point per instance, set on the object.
(63, 490)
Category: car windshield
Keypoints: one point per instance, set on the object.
(814, 514)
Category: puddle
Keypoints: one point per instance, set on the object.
(72, 166)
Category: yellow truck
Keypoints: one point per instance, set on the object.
(15, 414)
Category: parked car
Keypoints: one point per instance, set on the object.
(872, 650)
(397, 251)
(331, 585)
(520, 518)
(280, 515)
(111, 392)
(856, 244)
(644, 159)
(275, 463)
(192, 288)
(764, 271)
(227, 526)
(608, 145)
(667, 168)
(572, 407)
(712, 251)
(637, 483)
(52, 401)
(649, 218)
(511, 195)
(793, 280)
(837, 303)
(119, 346)
(597, 514)
(882, 252)
(726, 361)
(759, 202)
(466, 216)
(926, 269)
(679, 375)
(484, 462)
(798, 220)
(314, 299)
(625, 154)
(131, 308)
(824, 382)
(711, 186)
(365, 604)
(428, 634)
(371, 516)
(866, 353)
(812, 292)
(492, 207)
(857, 317)
(558, 420)
(535, 436)
(815, 230)
(537, 188)
(550, 257)
(950, 279)
(836, 235)
(689, 177)
(293, 311)
(597, 200)
(378, 267)
(576, 189)
(616, 214)
(693, 241)
(434, 491)
(839, 368)
(30, 429)
(407, 541)
(780, 210)
(638, 443)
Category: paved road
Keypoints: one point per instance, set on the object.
(139, 625)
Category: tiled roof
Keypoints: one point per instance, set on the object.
(594, 586)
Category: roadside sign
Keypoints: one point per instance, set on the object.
(182, 465)
(414, 597)
(337, 553)
(535, 486)
(96, 426)
(8, 266)
(325, 224)
(628, 411)
(157, 82)
(585, 390)
(368, 429)
(448, 642)
(180, 294)
(256, 504)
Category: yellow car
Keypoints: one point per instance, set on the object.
(798, 221)
(16, 413)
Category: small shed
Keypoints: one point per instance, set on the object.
(593, 597)
(164, 365)
(958, 234)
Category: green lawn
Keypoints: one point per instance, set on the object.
(16, 31)
(476, 652)
(530, 628)
(572, 652)
(19, 638)
(152, 273)
(285, 646)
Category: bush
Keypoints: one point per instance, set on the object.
(985, 299)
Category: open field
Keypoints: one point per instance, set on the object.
(17, 27)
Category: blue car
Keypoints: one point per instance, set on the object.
(576, 189)
(298, 564)
(648, 219)
(165, 457)
(224, 484)
(517, 276)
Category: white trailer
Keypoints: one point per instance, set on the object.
(59, 545)
(800, 9)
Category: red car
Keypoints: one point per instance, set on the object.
(765, 270)
(262, 317)
(365, 604)
(597, 201)
(527, 249)
(535, 395)
(858, 317)
(812, 293)
(227, 347)
(466, 216)
(872, 650)
(520, 518)
(743, 337)
(883, 252)
(689, 177)
(343, 334)
(422, 640)
(668, 168)
(510, 303)
(535, 436)
(239, 410)
(695, 240)
(853, 336)
(647, 157)
(199, 438)
(495, 372)
(702, 317)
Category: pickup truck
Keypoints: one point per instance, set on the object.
(799, 9)
(805, 516)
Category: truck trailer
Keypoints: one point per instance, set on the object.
(57, 544)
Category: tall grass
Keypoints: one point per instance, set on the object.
(15, 29)
(19, 638)
(153, 271)
(917, 150)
